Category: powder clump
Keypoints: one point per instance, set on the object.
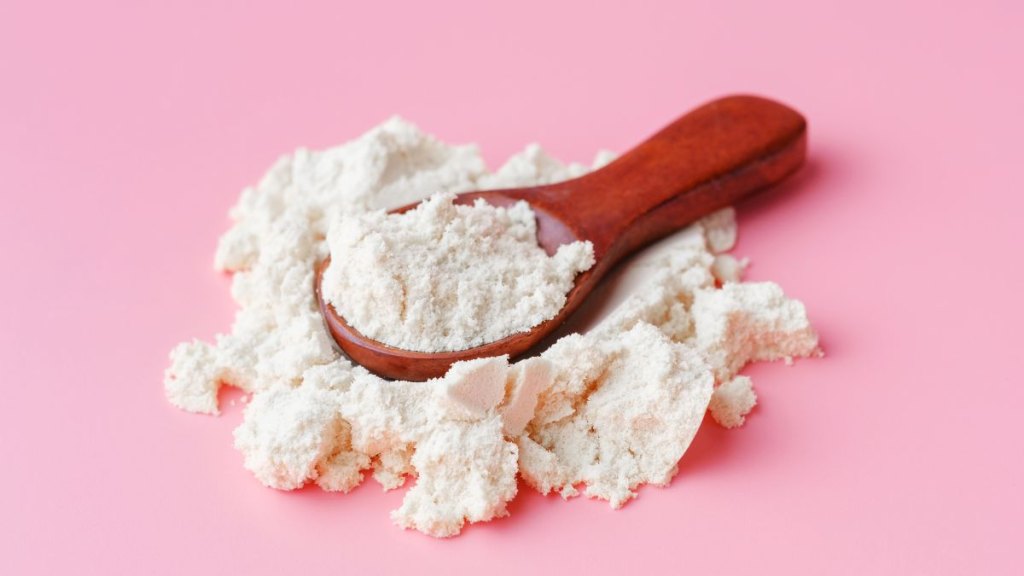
(627, 426)
(599, 413)
(732, 401)
(444, 277)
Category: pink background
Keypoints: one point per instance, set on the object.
(127, 130)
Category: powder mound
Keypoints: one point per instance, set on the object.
(602, 412)
(445, 277)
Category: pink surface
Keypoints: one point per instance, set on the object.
(127, 131)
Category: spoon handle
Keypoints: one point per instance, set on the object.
(705, 160)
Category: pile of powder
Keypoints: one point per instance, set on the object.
(445, 277)
(601, 412)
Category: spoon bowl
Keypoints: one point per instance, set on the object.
(708, 159)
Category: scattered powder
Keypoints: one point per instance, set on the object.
(443, 277)
(601, 412)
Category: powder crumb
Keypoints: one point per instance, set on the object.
(445, 277)
(720, 230)
(600, 413)
(732, 401)
(194, 377)
(727, 268)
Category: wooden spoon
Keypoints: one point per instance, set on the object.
(706, 160)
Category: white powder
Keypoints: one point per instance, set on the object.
(622, 416)
(732, 401)
(443, 277)
(605, 411)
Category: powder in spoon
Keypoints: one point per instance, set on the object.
(444, 277)
(599, 413)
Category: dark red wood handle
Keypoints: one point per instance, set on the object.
(705, 160)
